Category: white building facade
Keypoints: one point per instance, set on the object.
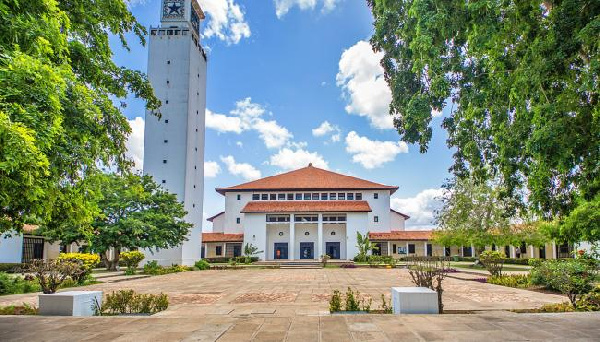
(174, 142)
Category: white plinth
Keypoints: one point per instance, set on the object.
(414, 300)
(71, 303)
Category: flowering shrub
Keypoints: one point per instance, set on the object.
(132, 260)
(87, 262)
(493, 261)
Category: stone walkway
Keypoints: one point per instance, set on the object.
(302, 292)
(490, 326)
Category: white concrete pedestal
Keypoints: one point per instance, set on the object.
(414, 300)
(70, 303)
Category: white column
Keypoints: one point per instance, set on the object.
(205, 250)
(554, 256)
(473, 251)
(425, 248)
(390, 253)
(531, 252)
(512, 252)
(407, 254)
(319, 237)
(291, 249)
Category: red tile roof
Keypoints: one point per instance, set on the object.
(305, 206)
(308, 178)
(210, 219)
(403, 235)
(406, 217)
(220, 237)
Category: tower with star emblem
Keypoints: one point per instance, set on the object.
(174, 142)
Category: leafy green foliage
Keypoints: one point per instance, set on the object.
(493, 261)
(87, 261)
(50, 274)
(335, 303)
(522, 79)
(582, 224)
(130, 302)
(14, 284)
(352, 303)
(132, 260)
(249, 252)
(153, 268)
(572, 277)
(522, 281)
(202, 265)
(25, 309)
(58, 119)
(364, 246)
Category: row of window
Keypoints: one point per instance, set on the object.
(307, 218)
(307, 196)
(177, 32)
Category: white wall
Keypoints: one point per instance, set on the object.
(218, 224)
(233, 206)
(255, 232)
(356, 222)
(273, 237)
(11, 248)
(340, 236)
(397, 221)
(301, 229)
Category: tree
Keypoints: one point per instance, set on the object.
(58, 118)
(521, 78)
(249, 251)
(364, 246)
(134, 213)
(582, 224)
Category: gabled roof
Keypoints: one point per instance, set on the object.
(406, 217)
(210, 219)
(402, 235)
(220, 237)
(305, 206)
(308, 178)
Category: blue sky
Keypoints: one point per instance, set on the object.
(292, 82)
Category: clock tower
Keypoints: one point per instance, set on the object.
(174, 143)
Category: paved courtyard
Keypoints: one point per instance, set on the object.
(284, 292)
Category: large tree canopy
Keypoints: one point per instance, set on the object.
(523, 79)
(58, 121)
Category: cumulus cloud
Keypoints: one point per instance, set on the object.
(284, 6)
(372, 153)
(225, 21)
(211, 169)
(420, 208)
(361, 77)
(248, 116)
(135, 142)
(246, 171)
(289, 159)
(326, 128)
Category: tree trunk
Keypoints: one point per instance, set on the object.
(113, 265)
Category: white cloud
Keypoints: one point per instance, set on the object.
(225, 21)
(211, 169)
(361, 77)
(239, 144)
(436, 113)
(223, 123)
(420, 208)
(283, 6)
(326, 128)
(246, 171)
(288, 159)
(372, 153)
(135, 142)
(248, 116)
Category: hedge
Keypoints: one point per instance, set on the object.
(220, 260)
(11, 267)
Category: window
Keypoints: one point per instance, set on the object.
(375, 218)
(306, 218)
(298, 197)
(167, 101)
(169, 32)
(350, 196)
(375, 195)
(255, 197)
(394, 247)
(332, 196)
(164, 161)
(153, 32)
(238, 220)
(290, 197)
(167, 81)
(278, 218)
(324, 196)
(341, 196)
(315, 196)
(307, 196)
(334, 218)
(359, 198)
(168, 62)
(218, 250)
(281, 197)
(239, 197)
(264, 197)
(401, 250)
(411, 249)
(166, 121)
(272, 197)
(164, 181)
(166, 141)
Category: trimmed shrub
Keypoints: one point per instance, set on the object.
(559, 307)
(335, 303)
(24, 309)
(14, 284)
(130, 302)
(132, 260)
(572, 277)
(589, 301)
(493, 261)
(50, 274)
(153, 268)
(202, 265)
(11, 267)
(521, 281)
(225, 260)
(87, 262)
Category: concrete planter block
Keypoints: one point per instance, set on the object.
(414, 300)
(70, 303)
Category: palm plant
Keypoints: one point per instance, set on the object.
(249, 251)
(364, 246)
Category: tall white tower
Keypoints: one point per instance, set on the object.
(174, 144)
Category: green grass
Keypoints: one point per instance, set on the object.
(470, 266)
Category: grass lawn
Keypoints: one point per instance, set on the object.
(470, 266)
